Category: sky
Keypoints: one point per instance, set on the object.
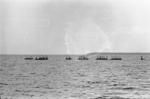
(74, 26)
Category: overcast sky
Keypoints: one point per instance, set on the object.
(74, 26)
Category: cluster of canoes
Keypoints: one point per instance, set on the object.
(98, 58)
(79, 58)
(101, 58)
(37, 58)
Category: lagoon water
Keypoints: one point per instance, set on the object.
(57, 78)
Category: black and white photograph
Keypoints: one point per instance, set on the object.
(74, 49)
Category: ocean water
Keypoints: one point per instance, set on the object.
(57, 78)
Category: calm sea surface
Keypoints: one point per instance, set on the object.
(57, 78)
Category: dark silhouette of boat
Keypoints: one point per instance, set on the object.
(102, 58)
(82, 58)
(41, 58)
(142, 58)
(68, 58)
(116, 58)
(29, 58)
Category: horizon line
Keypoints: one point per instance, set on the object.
(86, 53)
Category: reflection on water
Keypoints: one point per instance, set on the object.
(57, 78)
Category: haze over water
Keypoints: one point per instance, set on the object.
(74, 26)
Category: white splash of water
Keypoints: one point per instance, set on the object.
(85, 37)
